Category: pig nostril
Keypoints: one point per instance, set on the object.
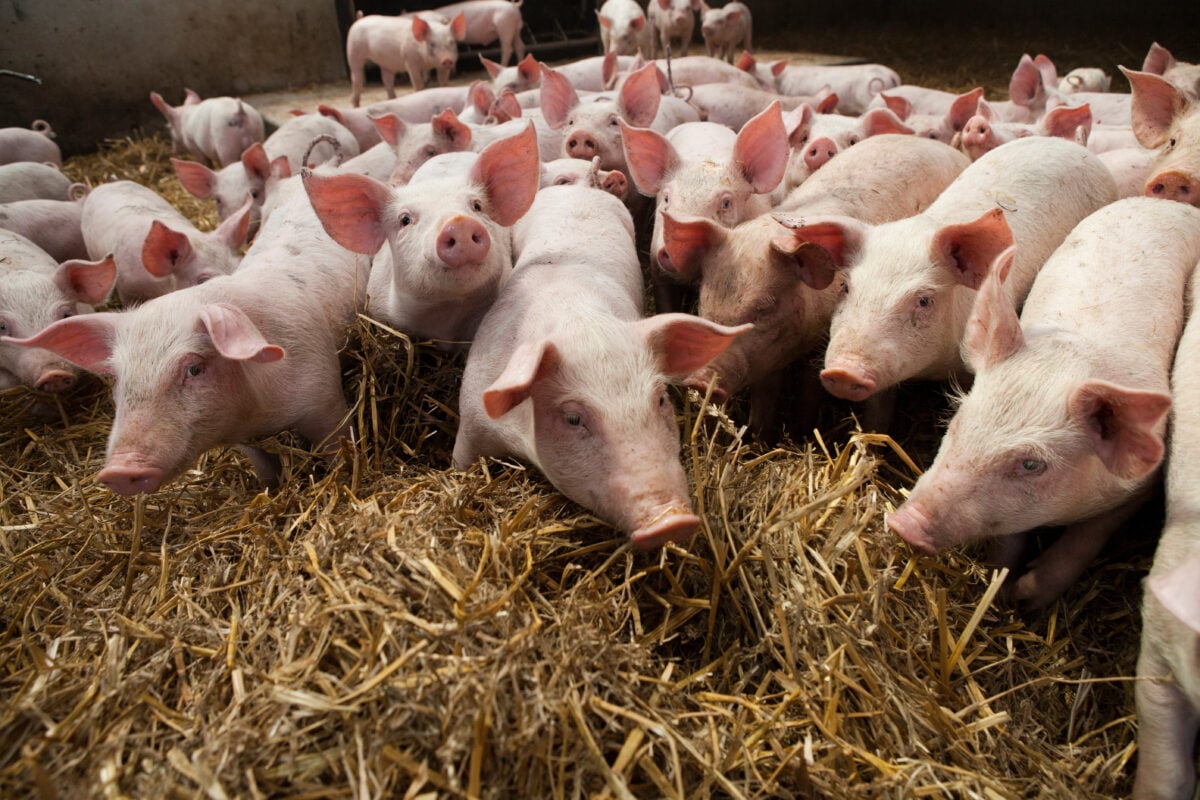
(476, 238)
(1158, 188)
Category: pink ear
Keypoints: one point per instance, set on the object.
(420, 29)
(458, 28)
(664, 4)
(87, 281)
(190, 98)
(762, 149)
(1158, 60)
(198, 179)
(993, 331)
(447, 125)
(529, 69)
(733, 16)
(1156, 104)
(1121, 424)
(639, 97)
(508, 170)
(280, 168)
(481, 97)
(684, 343)
(506, 107)
(810, 262)
(492, 67)
(557, 97)
(255, 161)
(1179, 591)
(797, 123)
(1064, 121)
(164, 250)
(529, 363)
(650, 158)
(331, 112)
(85, 340)
(235, 335)
(391, 128)
(1025, 88)
(968, 249)
(351, 209)
(899, 106)
(608, 69)
(637, 23)
(882, 120)
(829, 103)
(688, 241)
(232, 232)
(605, 22)
(841, 237)
(779, 67)
(963, 108)
(1046, 68)
(163, 106)
(746, 62)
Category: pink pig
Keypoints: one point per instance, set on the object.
(575, 171)
(567, 375)
(53, 225)
(230, 360)
(218, 129)
(410, 42)
(984, 132)
(942, 126)
(157, 249)
(30, 180)
(856, 85)
(671, 25)
(623, 28)
(816, 138)
(414, 107)
(36, 291)
(727, 30)
(1065, 421)
(29, 144)
(1167, 690)
(732, 105)
(440, 244)
(1167, 119)
(489, 20)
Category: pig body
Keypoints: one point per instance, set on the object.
(218, 129)
(623, 28)
(157, 249)
(672, 23)
(816, 138)
(856, 85)
(35, 292)
(53, 225)
(984, 132)
(31, 180)
(727, 30)
(410, 42)
(488, 21)
(230, 360)
(566, 375)
(1085, 79)
(1064, 423)
(1167, 691)
(912, 282)
(1167, 120)
(1130, 167)
(35, 143)
(733, 106)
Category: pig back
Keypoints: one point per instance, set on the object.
(18, 253)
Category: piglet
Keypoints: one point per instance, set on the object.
(567, 375)
(815, 138)
(727, 30)
(1064, 423)
(489, 20)
(671, 25)
(623, 28)
(53, 225)
(35, 143)
(574, 171)
(31, 180)
(157, 249)
(218, 129)
(410, 42)
(984, 132)
(1167, 119)
(36, 291)
(855, 85)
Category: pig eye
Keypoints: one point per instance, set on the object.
(562, 180)
(853, 141)
(804, 139)
(1171, 143)
(254, 193)
(1032, 466)
(65, 312)
(726, 203)
(932, 135)
(430, 151)
(574, 420)
(3, 329)
(924, 301)
(477, 206)
(666, 200)
(406, 219)
(193, 370)
(612, 121)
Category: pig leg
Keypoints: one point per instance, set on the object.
(1167, 727)
(416, 76)
(879, 410)
(357, 68)
(443, 76)
(389, 81)
(267, 466)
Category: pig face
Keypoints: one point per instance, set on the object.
(816, 138)
(593, 128)
(624, 32)
(253, 176)
(416, 144)
(438, 41)
(1166, 119)
(527, 74)
(574, 171)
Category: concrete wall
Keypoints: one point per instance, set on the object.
(98, 60)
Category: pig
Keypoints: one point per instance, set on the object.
(413, 145)
(726, 30)
(816, 138)
(760, 272)
(36, 291)
(414, 108)
(911, 283)
(855, 85)
(575, 171)
(1167, 690)
(230, 360)
(408, 42)
(623, 28)
(1167, 119)
(489, 20)
(941, 127)
(31, 180)
(1102, 138)
(1064, 423)
(671, 25)
(733, 106)
(157, 249)
(1027, 94)
(1130, 166)
(35, 143)
(1159, 61)
(983, 132)
(53, 225)
(549, 140)
(1082, 79)
(217, 130)
(440, 244)
(567, 375)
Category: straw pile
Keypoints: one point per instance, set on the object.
(393, 628)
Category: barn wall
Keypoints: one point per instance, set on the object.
(98, 60)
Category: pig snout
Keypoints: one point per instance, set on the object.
(580, 144)
(615, 183)
(849, 379)
(55, 380)
(819, 152)
(910, 524)
(1174, 185)
(463, 242)
(673, 526)
(701, 379)
(664, 259)
(129, 476)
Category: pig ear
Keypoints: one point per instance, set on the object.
(829, 103)
(841, 237)
(883, 120)
(963, 108)
(481, 97)
(1177, 591)
(605, 22)
(164, 250)
(746, 62)
(557, 97)
(163, 106)
(448, 126)
(688, 241)
(637, 23)
(492, 67)
(761, 148)
(87, 281)
(779, 67)
(84, 340)
(650, 157)
(390, 127)
(899, 106)
(198, 179)
(609, 69)
(797, 123)
(350, 208)
(1046, 69)
(508, 170)
(459, 26)
(1121, 424)
(235, 335)
(255, 161)
(684, 343)
(506, 107)
(968, 249)
(232, 232)
(332, 113)
(529, 69)
(1065, 122)
(1155, 106)
(1025, 88)
(993, 330)
(1158, 60)
(734, 15)
(639, 97)
(811, 263)
(190, 98)
(529, 363)
(420, 29)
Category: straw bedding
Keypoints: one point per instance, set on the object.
(391, 628)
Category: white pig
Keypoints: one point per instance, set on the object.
(35, 143)
(726, 30)
(816, 138)
(984, 132)
(565, 374)
(856, 85)
(414, 107)
(489, 20)
(31, 180)
(53, 225)
(623, 28)
(1064, 423)
(218, 129)
(408, 42)
(671, 25)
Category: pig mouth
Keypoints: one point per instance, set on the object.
(673, 524)
(911, 525)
